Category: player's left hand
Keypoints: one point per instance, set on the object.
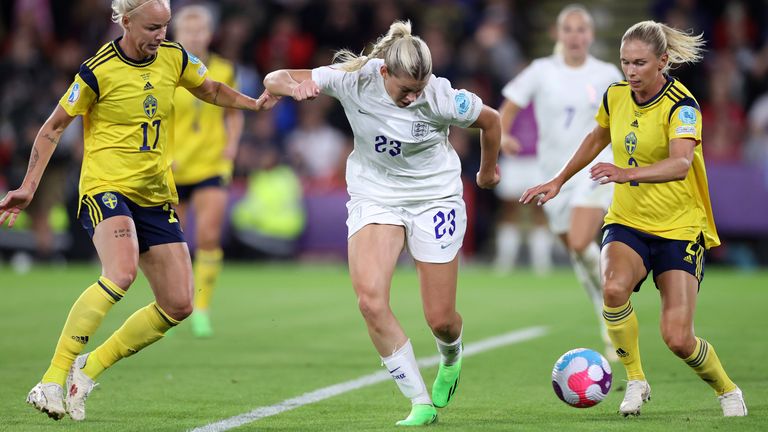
(604, 172)
(488, 180)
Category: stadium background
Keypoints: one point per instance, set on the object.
(478, 45)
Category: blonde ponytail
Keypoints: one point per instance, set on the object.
(403, 53)
(681, 47)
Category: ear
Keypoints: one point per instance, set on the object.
(663, 61)
(126, 21)
(384, 71)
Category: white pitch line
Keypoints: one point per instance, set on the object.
(365, 381)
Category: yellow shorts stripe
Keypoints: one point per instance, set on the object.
(96, 206)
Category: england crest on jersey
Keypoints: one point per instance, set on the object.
(419, 129)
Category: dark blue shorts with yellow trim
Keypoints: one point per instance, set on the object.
(659, 254)
(185, 191)
(154, 225)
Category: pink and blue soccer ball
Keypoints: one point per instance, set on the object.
(582, 378)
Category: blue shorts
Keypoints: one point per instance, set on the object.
(154, 225)
(185, 191)
(659, 254)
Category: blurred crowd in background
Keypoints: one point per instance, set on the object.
(478, 45)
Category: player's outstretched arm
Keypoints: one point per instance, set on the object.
(296, 83)
(590, 147)
(489, 124)
(45, 143)
(220, 94)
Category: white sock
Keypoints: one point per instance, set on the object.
(587, 268)
(540, 240)
(404, 370)
(507, 246)
(450, 353)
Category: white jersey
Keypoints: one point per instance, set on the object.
(401, 155)
(565, 101)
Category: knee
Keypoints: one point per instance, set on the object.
(440, 323)
(373, 308)
(207, 239)
(680, 342)
(614, 293)
(578, 245)
(123, 276)
(178, 310)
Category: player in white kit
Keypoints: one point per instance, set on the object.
(403, 179)
(565, 89)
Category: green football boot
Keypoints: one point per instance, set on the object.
(421, 415)
(446, 382)
(201, 324)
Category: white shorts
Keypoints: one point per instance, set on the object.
(434, 231)
(580, 191)
(518, 173)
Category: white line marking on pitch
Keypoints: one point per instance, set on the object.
(365, 381)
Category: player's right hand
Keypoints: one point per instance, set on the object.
(306, 89)
(545, 192)
(266, 101)
(510, 145)
(12, 204)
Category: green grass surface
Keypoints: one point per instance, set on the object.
(282, 331)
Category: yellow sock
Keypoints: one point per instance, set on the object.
(83, 320)
(207, 269)
(624, 332)
(706, 364)
(144, 327)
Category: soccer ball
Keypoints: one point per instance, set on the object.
(581, 378)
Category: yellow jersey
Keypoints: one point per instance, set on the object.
(200, 133)
(127, 109)
(640, 133)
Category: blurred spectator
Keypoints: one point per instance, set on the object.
(270, 217)
(757, 144)
(286, 46)
(723, 116)
(316, 149)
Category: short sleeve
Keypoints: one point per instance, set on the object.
(520, 90)
(333, 82)
(685, 120)
(603, 116)
(456, 107)
(193, 71)
(80, 95)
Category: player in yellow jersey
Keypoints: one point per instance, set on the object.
(125, 95)
(206, 138)
(660, 219)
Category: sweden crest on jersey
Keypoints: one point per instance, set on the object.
(630, 142)
(150, 106)
(110, 200)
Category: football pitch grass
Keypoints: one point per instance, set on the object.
(286, 330)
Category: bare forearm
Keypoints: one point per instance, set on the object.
(42, 150)
(490, 139)
(670, 169)
(220, 94)
(508, 113)
(586, 153)
(280, 83)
